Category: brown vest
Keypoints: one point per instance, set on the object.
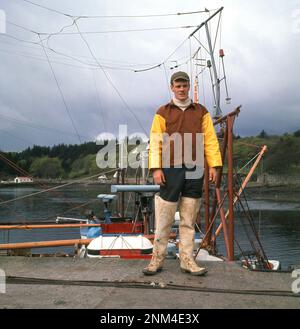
(185, 124)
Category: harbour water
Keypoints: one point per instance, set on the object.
(277, 222)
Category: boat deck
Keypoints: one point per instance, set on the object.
(119, 284)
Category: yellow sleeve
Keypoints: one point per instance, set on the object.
(211, 144)
(156, 137)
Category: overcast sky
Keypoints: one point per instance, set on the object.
(260, 40)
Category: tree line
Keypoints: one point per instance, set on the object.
(74, 161)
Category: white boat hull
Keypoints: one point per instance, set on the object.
(135, 246)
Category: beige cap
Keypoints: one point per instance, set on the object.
(179, 76)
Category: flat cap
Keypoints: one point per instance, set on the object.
(179, 76)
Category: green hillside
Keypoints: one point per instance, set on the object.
(74, 161)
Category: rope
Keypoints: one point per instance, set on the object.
(249, 162)
(146, 285)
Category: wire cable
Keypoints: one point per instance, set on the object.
(39, 126)
(118, 16)
(127, 30)
(60, 91)
(110, 81)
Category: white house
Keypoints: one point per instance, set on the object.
(19, 180)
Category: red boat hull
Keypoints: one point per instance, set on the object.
(122, 253)
(122, 228)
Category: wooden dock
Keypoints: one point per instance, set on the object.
(67, 282)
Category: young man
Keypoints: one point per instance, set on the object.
(180, 118)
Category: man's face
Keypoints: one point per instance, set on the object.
(181, 90)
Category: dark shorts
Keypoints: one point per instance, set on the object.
(177, 184)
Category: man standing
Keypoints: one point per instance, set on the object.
(177, 179)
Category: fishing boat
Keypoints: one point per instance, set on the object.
(117, 236)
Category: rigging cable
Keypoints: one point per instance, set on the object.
(110, 81)
(125, 31)
(48, 47)
(191, 65)
(38, 126)
(60, 91)
(160, 64)
(167, 81)
(251, 221)
(99, 101)
(120, 16)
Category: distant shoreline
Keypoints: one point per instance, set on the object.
(280, 193)
(254, 191)
(39, 183)
(81, 181)
(78, 181)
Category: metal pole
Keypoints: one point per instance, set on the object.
(143, 165)
(205, 22)
(206, 195)
(224, 118)
(122, 210)
(227, 236)
(244, 183)
(230, 189)
(46, 226)
(216, 83)
(119, 199)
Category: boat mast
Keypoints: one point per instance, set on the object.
(215, 79)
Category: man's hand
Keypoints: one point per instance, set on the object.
(213, 175)
(159, 177)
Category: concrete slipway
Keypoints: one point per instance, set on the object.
(119, 284)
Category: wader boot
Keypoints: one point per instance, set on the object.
(188, 209)
(164, 218)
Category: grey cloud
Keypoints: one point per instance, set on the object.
(261, 57)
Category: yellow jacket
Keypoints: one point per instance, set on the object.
(170, 119)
